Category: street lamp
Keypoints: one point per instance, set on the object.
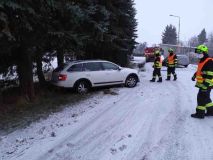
(178, 27)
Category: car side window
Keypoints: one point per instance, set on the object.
(75, 68)
(109, 66)
(92, 66)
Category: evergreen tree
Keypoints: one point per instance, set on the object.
(88, 28)
(169, 35)
(210, 40)
(202, 37)
(34, 27)
(18, 31)
(119, 41)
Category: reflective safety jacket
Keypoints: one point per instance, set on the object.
(204, 74)
(157, 62)
(172, 60)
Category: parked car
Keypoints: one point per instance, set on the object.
(82, 75)
(183, 61)
(138, 62)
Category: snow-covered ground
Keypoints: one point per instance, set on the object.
(149, 122)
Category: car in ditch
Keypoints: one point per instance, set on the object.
(86, 74)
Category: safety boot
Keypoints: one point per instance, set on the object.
(160, 79)
(152, 80)
(199, 114)
(168, 78)
(209, 111)
(175, 77)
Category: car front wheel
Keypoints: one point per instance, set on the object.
(82, 87)
(131, 81)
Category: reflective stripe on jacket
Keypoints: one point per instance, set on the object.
(158, 62)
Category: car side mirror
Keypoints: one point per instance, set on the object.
(119, 68)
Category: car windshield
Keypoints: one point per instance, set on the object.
(137, 55)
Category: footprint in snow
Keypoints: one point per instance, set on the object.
(123, 147)
(144, 157)
(113, 150)
(74, 115)
(51, 151)
(129, 135)
(70, 145)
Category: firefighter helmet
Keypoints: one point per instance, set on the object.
(201, 49)
(170, 50)
(157, 52)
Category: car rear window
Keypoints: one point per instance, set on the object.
(76, 67)
(92, 66)
(60, 68)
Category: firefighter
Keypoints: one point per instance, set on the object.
(204, 81)
(171, 64)
(157, 67)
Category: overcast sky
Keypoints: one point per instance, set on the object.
(153, 16)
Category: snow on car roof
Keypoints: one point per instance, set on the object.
(83, 61)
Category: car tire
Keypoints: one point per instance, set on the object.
(131, 81)
(82, 87)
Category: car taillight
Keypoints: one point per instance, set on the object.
(62, 77)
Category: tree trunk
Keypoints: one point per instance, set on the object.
(25, 74)
(60, 58)
(40, 73)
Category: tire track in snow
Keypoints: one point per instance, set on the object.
(173, 149)
(150, 146)
(156, 122)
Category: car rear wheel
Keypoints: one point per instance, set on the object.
(131, 81)
(82, 87)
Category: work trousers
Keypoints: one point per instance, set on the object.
(203, 99)
(157, 72)
(171, 70)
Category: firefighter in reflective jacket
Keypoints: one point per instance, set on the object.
(157, 67)
(204, 81)
(171, 64)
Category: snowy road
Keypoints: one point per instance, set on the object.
(149, 122)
